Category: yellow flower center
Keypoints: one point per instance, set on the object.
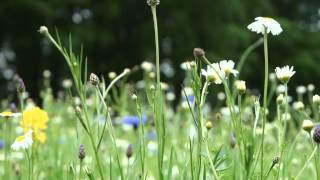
(20, 138)
(7, 114)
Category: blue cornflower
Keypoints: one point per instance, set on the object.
(134, 120)
(2, 144)
(191, 98)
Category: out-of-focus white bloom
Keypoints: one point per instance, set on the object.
(23, 142)
(147, 66)
(286, 116)
(228, 67)
(188, 91)
(225, 111)
(152, 147)
(134, 97)
(187, 65)
(192, 132)
(241, 86)
(301, 89)
(152, 75)
(221, 96)
(152, 87)
(170, 96)
(212, 75)
(122, 143)
(316, 99)
(307, 125)
(281, 89)
(46, 74)
(272, 76)
(285, 73)
(175, 171)
(310, 87)
(67, 83)
(280, 99)
(298, 105)
(164, 86)
(261, 23)
(112, 75)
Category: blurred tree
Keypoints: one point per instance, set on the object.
(119, 34)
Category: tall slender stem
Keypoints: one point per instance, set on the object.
(307, 162)
(265, 93)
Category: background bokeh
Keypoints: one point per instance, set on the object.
(119, 34)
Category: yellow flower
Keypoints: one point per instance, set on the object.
(35, 119)
(8, 114)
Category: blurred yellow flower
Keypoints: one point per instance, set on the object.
(35, 119)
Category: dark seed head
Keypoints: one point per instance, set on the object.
(19, 84)
(316, 135)
(275, 160)
(198, 53)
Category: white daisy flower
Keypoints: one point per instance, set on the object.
(8, 114)
(285, 73)
(265, 22)
(212, 75)
(228, 67)
(23, 142)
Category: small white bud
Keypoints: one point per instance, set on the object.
(43, 30)
(112, 75)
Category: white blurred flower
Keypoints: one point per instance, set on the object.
(112, 75)
(152, 147)
(301, 89)
(280, 99)
(46, 73)
(147, 66)
(8, 114)
(285, 73)
(170, 96)
(261, 23)
(298, 105)
(221, 96)
(316, 99)
(212, 75)
(272, 76)
(67, 83)
(152, 75)
(228, 67)
(281, 89)
(22, 142)
(187, 65)
(164, 86)
(310, 87)
(286, 116)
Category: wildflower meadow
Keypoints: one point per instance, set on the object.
(107, 127)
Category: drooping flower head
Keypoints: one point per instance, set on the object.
(285, 73)
(35, 119)
(265, 22)
(23, 142)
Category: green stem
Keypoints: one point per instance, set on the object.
(306, 163)
(96, 156)
(265, 93)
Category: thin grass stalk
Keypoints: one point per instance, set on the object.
(265, 94)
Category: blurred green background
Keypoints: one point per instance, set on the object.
(119, 34)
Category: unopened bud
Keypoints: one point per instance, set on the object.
(153, 2)
(241, 86)
(209, 125)
(129, 151)
(280, 99)
(112, 75)
(82, 152)
(307, 125)
(94, 79)
(43, 30)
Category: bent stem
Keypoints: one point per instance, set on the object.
(306, 163)
(265, 93)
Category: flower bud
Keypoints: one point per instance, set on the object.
(43, 30)
(21, 88)
(316, 99)
(129, 151)
(126, 70)
(82, 152)
(310, 87)
(209, 125)
(275, 160)
(316, 135)
(241, 86)
(112, 75)
(198, 53)
(298, 105)
(307, 125)
(280, 99)
(134, 97)
(153, 2)
(94, 79)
